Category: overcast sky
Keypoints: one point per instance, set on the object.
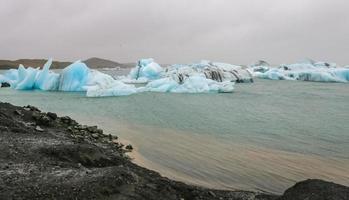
(176, 31)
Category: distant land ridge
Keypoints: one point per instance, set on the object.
(93, 62)
(13, 64)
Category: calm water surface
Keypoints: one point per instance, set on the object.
(265, 136)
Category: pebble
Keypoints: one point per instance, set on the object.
(129, 147)
(38, 128)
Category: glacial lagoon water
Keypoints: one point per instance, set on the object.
(264, 136)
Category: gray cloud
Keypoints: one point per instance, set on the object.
(176, 31)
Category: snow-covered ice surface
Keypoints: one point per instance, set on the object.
(307, 70)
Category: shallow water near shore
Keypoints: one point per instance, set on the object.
(265, 136)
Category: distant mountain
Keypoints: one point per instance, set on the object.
(10, 64)
(95, 63)
(103, 63)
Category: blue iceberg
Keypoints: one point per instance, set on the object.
(74, 77)
(146, 69)
(45, 79)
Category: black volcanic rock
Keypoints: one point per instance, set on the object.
(314, 189)
(5, 84)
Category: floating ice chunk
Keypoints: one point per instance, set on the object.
(273, 74)
(47, 80)
(146, 69)
(97, 79)
(117, 88)
(192, 84)
(162, 85)
(26, 78)
(30, 78)
(342, 73)
(10, 76)
(307, 70)
(42, 76)
(317, 76)
(211, 70)
(259, 66)
(74, 77)
(101, 85)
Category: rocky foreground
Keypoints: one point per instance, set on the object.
(43, 156)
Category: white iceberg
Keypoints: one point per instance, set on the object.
(220, 72)
(101, 85)
(146, 69)
(307, 70)
(192, 84)
(259, 66)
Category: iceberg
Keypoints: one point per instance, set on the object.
(30, 78)
(146, 69)
(26, 78)
(201, 77)
(307, 70)
(99, 84)
(192, 84)
(47, 80)
(259, 66)
(220, 72)
(74, 77)
(10, 76)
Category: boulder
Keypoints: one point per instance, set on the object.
(314, 189)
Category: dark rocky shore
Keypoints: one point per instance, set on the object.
(43, 156)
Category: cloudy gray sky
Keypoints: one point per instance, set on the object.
(176, 31)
